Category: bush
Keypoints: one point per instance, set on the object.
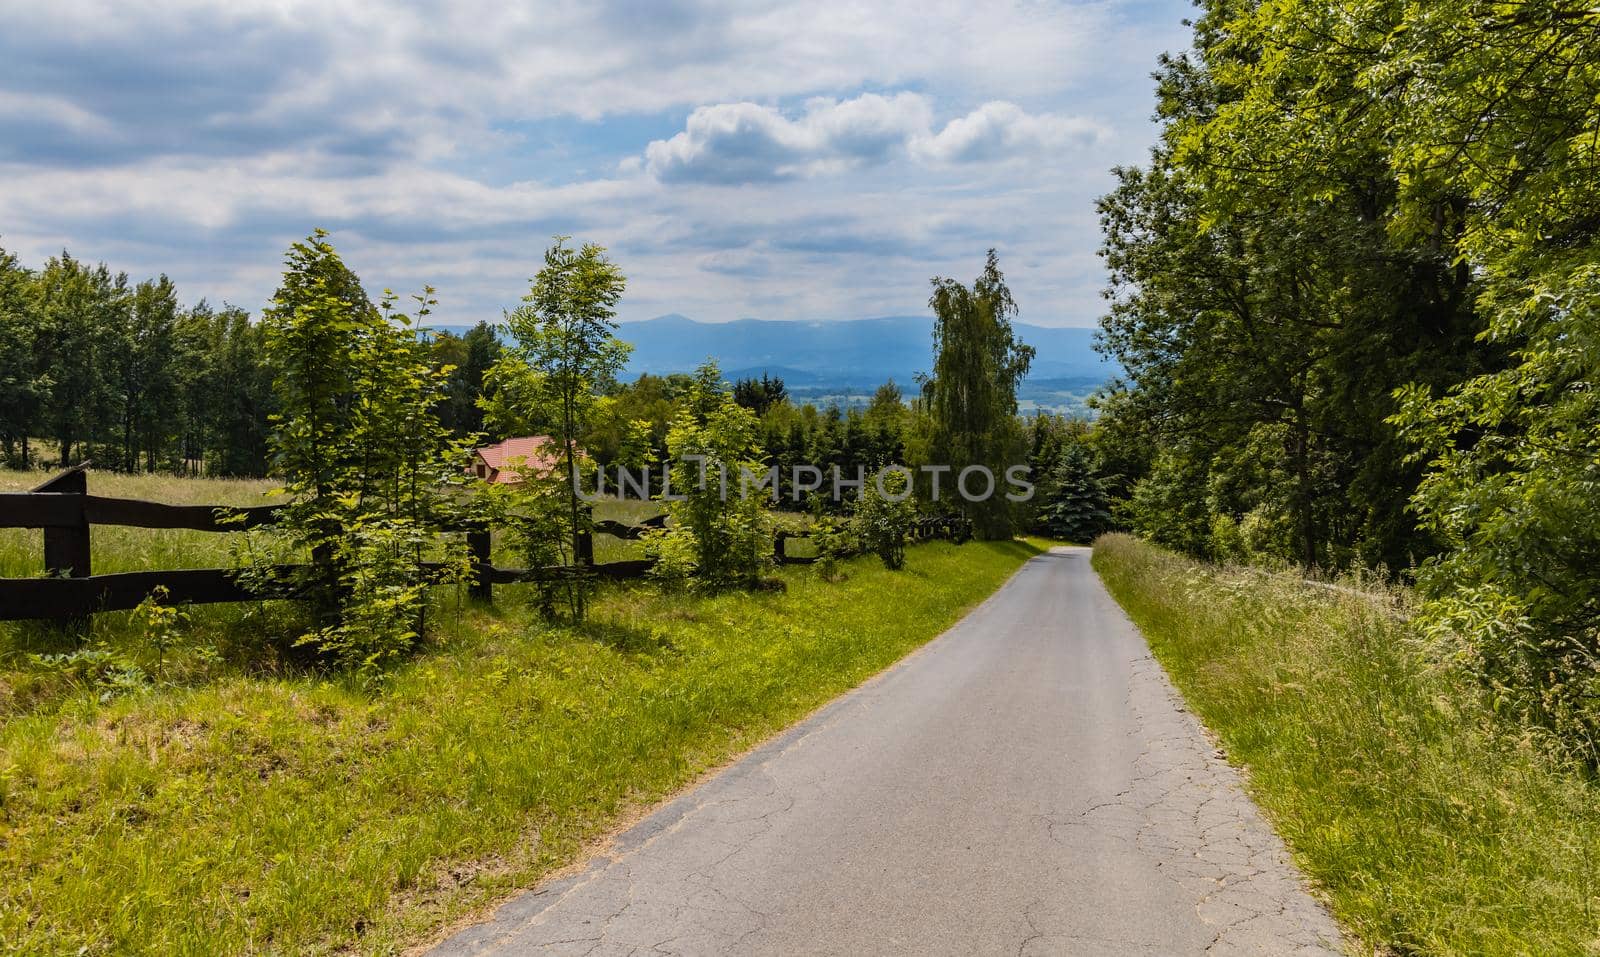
(1168, 505)
(883, 520)
(1510, 492)
(712, 444)
(834, 540)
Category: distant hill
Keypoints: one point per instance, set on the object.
(860, 352)
(844, 361)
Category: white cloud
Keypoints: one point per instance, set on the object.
(287, 70)
(445, 142)
(1000, 130)
(733, 143)
(747, 142)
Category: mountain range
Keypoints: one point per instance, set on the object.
(846, 360)
(857, 353)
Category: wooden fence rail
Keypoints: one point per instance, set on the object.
(65, 510)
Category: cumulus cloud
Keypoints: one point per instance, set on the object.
(447, 141)
(732, 143)
(1000, 130)
(747, 142)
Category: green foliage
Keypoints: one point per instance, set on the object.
(759, 395)
(1168, 505)
(365, 463)
(1077, 509)
(883, 518)
(1256, 284)
(100, 672)
(631, 422)
(1511, 488)
(121, 374)
(535, 518)
(835, 540)
(566, 353)
(23, 384)
(469, 358)
(383, 592)
(721, 520)
(224, 396)
(971, 396)
(80, 309)
(1361, 273)
(162, 625)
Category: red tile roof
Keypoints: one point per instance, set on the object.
(539, 452)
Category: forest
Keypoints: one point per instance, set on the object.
(1356, 292)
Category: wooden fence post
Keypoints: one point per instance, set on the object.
(66, 549)
(479, 547)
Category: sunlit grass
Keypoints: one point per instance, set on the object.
(1433, 826)
(286, 813)
(226, 638)
(117, 549)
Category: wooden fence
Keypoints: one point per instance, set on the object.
(65, 510)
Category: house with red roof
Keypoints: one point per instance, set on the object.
(499, 463)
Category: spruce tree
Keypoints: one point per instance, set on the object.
(1077, 511)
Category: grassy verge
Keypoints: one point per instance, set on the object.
(1433, 826)
(291, 814)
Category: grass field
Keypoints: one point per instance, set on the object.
(238, 809)
(225, 639)
(134, 549)
(1433, 826)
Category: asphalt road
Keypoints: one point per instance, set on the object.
(1028, 783)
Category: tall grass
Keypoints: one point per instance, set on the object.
(118, 549)
(293, 813)
(1434, 825)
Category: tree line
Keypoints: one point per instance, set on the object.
(1356, 292)
(96, 367)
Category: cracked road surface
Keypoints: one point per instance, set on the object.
(1028, 783)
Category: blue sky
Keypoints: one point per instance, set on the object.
(783, 160)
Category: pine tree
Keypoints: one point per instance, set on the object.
(1077, 511)
(22, 389)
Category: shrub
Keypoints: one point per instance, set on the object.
(833, 540)
(713, 444)
(883, 520)
(1510, 491)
